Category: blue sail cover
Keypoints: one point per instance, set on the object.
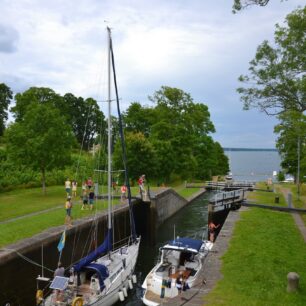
(186, 243)
(99, 251)
(101, 271)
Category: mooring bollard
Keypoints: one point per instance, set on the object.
(293, 281)
(289, 199)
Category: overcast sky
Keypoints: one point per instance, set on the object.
(197, 46)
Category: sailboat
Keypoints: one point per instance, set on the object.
(180, 268)
(103, 276)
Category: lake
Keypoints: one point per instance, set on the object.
(253, 165)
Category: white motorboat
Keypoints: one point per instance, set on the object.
(180, 259)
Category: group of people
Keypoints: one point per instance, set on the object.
(71, 187)
(88, 197)
(88, 194)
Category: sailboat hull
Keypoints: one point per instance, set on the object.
(121, 267)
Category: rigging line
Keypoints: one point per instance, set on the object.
(83, 140)
(73, 248)
(123, 146)
(28, 259)
(86, 247)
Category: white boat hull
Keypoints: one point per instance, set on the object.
(155, 290)
(120, 274)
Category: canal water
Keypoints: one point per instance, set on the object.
(191, 221)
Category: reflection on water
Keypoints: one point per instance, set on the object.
(190, 221)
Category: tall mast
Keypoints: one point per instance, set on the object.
(109, 178)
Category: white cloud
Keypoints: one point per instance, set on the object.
(198, 46)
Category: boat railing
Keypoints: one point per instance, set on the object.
(125, 241)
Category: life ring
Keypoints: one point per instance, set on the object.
(39, 296)
(78, 301)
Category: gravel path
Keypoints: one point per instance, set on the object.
(296, 216)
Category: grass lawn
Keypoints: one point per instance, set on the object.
(187, 192)
(24, 202)
(33, 224)
(265, 247)
(264, 197)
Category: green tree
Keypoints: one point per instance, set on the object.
(41, 140)
(140, 156)
(139, 119)
(291, 142)
(164, 159)
(85, 118)
(36, 95)
(182, 123)
(277, 79)
(178, 130)
(5, 98)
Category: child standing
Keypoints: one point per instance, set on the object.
(68, 187)
(68, 206)
(91, 199)
(85, 200)
(74, 188)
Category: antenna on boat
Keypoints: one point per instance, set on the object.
(174, 232)
(42, 260)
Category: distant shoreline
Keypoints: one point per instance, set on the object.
(248, 149)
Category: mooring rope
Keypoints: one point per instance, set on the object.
(28, 259)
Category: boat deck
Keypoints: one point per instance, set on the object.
(194, 295)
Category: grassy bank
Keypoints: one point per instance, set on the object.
(30, 212)
(266, 246)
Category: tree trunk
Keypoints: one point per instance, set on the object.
(43, 176)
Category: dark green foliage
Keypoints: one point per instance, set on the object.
(6, 96)
(178, 129)
(140, 156)
(41, 140)
(168, 141)
(85, 118)
(35, 95)
(139, 119)
(291, 142)
(280, 176)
